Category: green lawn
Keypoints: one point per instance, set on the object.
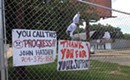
(98, 71)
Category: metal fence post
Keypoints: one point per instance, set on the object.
(2, 63)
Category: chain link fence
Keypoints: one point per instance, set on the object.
(57, 15)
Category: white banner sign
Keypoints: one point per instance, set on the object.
(73, 55)
(32, 47)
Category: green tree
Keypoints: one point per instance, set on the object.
(127, 36)
(55, 15)
(115, 32)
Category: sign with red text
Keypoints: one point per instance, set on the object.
(33, 47)
(73, 55)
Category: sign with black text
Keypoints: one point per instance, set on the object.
(73, 55)
(32, 47)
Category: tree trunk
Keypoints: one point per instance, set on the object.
(87, 30)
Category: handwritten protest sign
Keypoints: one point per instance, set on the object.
(73, 55)
(32, 47)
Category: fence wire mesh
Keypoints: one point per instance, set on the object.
(110, 58)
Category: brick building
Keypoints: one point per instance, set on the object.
(103, 12)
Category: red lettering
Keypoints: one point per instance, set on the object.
(23, 59)
(77, 55)
(67, 53)
(39, 59)
(39, 43)
(80, 45)
(26, 59)
(73, 44)
(49, 58)
(63, 53)
(63, 43)
(53, 42)
(70, 53)
(82, 54)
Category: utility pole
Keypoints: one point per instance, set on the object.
(2, 58)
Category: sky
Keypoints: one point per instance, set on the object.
(122, 20)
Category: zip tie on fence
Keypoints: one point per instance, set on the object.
(97, 5)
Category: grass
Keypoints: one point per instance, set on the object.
(98, 71)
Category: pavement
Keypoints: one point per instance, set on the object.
(120, 56)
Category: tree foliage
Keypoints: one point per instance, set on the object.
(99, 29)
(127, 36)
(115, 32)
(55, 15)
